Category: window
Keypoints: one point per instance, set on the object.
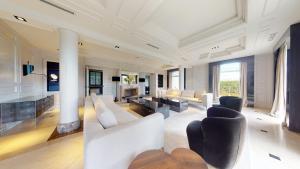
(175, 80)
(230, 79)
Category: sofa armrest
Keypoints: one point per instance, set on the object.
(116, 147)
(207, 100)
(107, 98)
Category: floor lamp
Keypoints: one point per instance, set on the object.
(116, 79)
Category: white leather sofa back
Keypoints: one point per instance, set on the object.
(188, 93)
(116, 147)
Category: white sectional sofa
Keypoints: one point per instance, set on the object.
(117, 146)
(206, 99)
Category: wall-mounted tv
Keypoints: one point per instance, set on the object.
(27, 69)
(52, 76)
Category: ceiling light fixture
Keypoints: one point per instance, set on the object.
(117, 47)
(153, 46)
(20, 18)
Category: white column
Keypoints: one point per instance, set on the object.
(68, 72)
(181, 78)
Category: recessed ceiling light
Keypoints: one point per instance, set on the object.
(117, 47)
(20, 18)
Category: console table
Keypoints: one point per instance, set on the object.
(180, 158)
(146, 107)
(27, 108)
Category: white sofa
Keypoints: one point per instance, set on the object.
(116, 147)
(206, 99)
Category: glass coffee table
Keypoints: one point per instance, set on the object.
(177, 105)
(147, 107)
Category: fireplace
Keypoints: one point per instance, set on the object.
(129, 91)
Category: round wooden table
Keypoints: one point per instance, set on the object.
(180, 158)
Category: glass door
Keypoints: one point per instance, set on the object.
(95, 81)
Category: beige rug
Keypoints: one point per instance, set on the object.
(175, 127)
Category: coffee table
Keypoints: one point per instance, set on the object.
(146, 107)
(177, 105)
(180, 158)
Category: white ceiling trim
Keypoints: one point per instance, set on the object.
(240, 18)
(270, 7)
(81, 9)
(212, 40)
(229, 50)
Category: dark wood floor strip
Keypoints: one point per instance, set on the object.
(56, 135)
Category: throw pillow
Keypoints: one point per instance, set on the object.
(104, 115)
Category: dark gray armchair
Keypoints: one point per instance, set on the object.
(231, 102)
(218, 138)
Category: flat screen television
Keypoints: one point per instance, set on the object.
(27, 69)
(141, 80)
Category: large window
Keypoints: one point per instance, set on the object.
(175, 80)
(230, 79)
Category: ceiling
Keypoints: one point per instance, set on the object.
(172, 32)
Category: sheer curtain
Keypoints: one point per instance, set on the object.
(216, 81)
(243, 82)
(279, 104)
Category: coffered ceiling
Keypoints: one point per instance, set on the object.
(173, 32)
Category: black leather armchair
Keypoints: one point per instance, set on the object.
(218, 138)
(231, 102)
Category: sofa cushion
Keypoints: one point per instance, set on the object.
(121, 115)
(188, 93)
(173, 93)
(198, 94)
(192, 99)
(104, 115)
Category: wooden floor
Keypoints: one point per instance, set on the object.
(67, 152)
(25, 137)
(61, 153)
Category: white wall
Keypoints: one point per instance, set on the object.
(142, 85)
(14, 52)
(109, 86)
(197, 78)
(263, 81)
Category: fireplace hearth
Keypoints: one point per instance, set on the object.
(129, 91)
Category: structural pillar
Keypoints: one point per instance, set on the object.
(181, 78)
(68, 81)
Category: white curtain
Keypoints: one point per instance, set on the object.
(216, 81)
(279, 104)
(243, 82)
